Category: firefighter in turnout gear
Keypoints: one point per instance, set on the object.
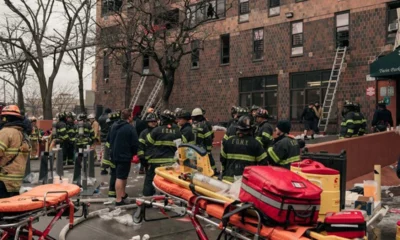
(264, 130)
(363, 127)
(144, 150)
(252, 114)
(233, 115)
(382, 118)
(34, 138)
(231, 131)
(96, 136)
(352, 121)
(61, 137)
(240, 151)
(104, 128)
(107, 161)
(183, 117)
(202, 134)
(163, 147)
(70, 143)
(285, 149)
(14, 151)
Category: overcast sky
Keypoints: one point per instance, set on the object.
(67, 74)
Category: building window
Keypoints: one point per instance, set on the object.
(169, 19)
(305, 88)
(258, 43)
(110, 6)
(274, 8)
(342, 29)
(146, 63)
(106, 66)
(244, 10)
(297, 39)
(260, 91)
(206, 10)
(195, 53)
(225, 47)
(300, 1)
(393, 22)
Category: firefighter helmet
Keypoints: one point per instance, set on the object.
(82, 117)
(91, 116)
(244, 123)
(151, 117)
(33, 119)
(254, 107)
(263, 113)
(197, 112)
(233, 110)
(242, 111)
(167, 115)
(183, 114)
(348, 104)
(11, 110)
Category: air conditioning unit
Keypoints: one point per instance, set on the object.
(393, 27)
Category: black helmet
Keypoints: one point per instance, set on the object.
(82, 117)
(254, 107)
(167, 115)
(69, 115)
(241, 111)
(348, 104)
(183, 114)
(151, 117)
(177, 110)
(263, 113)
(244, 123)
(382, 104)
(357, 107)
(62, 115)
(284, 126)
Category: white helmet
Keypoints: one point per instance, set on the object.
(197, 112)
(91, 116)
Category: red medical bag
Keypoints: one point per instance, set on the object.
(281, 195)
(347, 224)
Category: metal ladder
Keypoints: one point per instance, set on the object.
(158, 105)
(332, 87)
(152, 97)
(138, 90)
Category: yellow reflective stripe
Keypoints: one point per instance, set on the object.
(184, 139)
(261, 157)
(290, 160)
(150, 139)
(273, 155)
(228, 178)
(350, 130)
(142, 140)
(162, 160)
(259, 139)
(209, 148)
(108, 162)
(165, 143)
(267, 135)
(223, 153)
(241, 157)
(3, 146)
(226, 137)
(200, 135)
(112, 193)
(107, 144)
(61, 130)
(140, 153)
(347, 122)
(192, 142)
(358, 122)
(208, 134)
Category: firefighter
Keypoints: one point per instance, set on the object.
(70, 143)
(363, 128)
(382, 118)
(183, 118)
(264, 131)
(14, 151)
(202, 133)
(107, 161)
(176, 112)
(233, 115)
(62, 136)
(96, 135)
(352, 121)
(104, 128)
(144, 150)
(285, 149)
(240, 151)
(34, 138)
(252, 113)
(231, 131)
(162, 138)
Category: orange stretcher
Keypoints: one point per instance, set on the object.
(18, 213)
(236, 222)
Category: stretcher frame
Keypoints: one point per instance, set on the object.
(25, 220)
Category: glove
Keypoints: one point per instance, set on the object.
(135, 159)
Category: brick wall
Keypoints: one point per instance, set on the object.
(215, 87)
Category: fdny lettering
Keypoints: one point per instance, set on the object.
(294, 142)
(240, 142)
(166, 130)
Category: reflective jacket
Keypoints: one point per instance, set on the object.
(35, 135)
(81, 141)
(161, 141)
(62, 133)
(231, 130)
(72, 131)
(143, 149)
(187, 134)
(104, 127)
(284, 151)
(351, 124)
(264, 134)
(202, 135)
(363, 127)
(96, 130)
(238, 152)
(14, 150)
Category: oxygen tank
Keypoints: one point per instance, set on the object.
(209, 183)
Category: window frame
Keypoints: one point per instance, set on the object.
(107, 12)
(390, 6)
(222, 49)
(144, 68)
(292, 36)
(322, 88)
(246, 15)
(106, 66)
(336, 27)
(262, 91)
(193, 54)
(271, 7)
(197, 8)
(263, 44)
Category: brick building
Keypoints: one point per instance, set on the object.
(278, 54)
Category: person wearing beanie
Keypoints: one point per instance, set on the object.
(382, 118)
(285, 149)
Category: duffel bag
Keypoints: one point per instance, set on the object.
(281, 195)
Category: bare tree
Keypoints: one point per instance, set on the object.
(16, 73)
(64, 98)
(164, 30)
(35, 17)
(33, 102)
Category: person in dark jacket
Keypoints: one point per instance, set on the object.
(203, 134)
(144, 150)
(104, 129)
(114, 117)
(285, 149)
(382, 118)
(231, 130)
(162, 140)
(124, 144)
(363, 127)
(233, 115)
(264, 131)
(252, 114)
(183, 118)
(352, 121)
(240, 151)
(309, 117)
(139, 124)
